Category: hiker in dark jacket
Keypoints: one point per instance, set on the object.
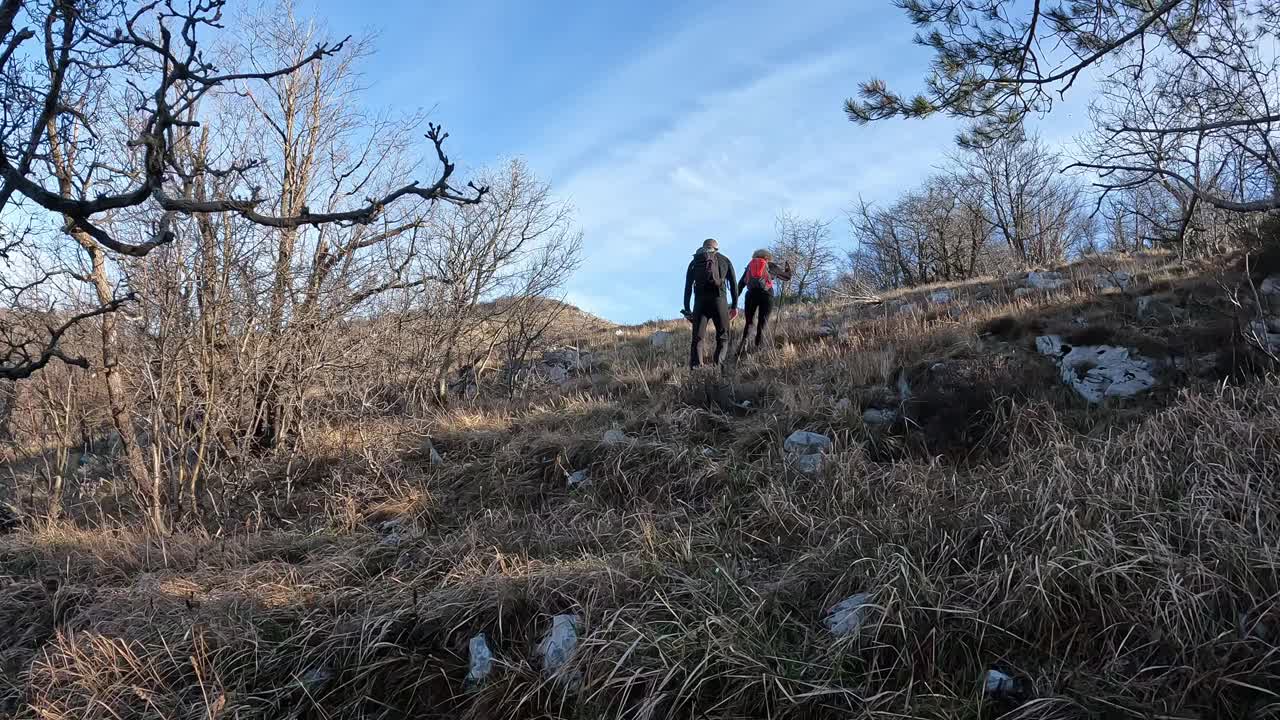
(757, 284)
(705, 280)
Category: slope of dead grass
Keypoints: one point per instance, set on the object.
(1118, 562)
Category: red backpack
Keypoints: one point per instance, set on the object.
(758, 275)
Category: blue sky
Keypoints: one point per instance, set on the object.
(663, 123)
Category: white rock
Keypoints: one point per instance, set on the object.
(1150, 306)
(808, 464)
(1050, 345)
(619, 333)
(1098, 372)
(848, 615)
(1046, 280)
(997, 683)
(1260, 332)
(1270, 286)
(428, 448)
(568, 358)
(879, 416)
(578, 480)
(316, 677)
(1118, 279)
(613, 437)
(807, 443)
(941, 297)
(554, 374)
(661, 339)
(557, 647)
(481, 660)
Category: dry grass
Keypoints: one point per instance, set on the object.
(1118, 562)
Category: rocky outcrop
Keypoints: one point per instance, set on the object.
(1118, 280)
(1047, 280)
(1098, 372)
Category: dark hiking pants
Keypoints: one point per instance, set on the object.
(716, 309)
(759, 305)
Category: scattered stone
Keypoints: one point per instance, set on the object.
(847, 617)
(1046, 280)
(661, 339)
(803, 442)
(1254, 629)
(578, 479)
(568, 358)
(808, 464)
(10, 518)
(619, 333)
(1270, 286)
(998, 683)
(1098, 372)
(614, 437)
(1151, 307)
(904, 386)
(393, 533)
(557, 647)
(879, 416)
(481, 660)
(1119, 280)
(554, 374)
(428, 448)
(1050, 345)
(829, 330)
(1261, 333)
(941, 297)
(315, 678)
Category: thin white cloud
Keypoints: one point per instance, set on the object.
(778, 142)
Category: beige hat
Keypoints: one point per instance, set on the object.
(710, 244)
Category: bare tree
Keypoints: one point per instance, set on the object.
(804, 245)
(497, 264)
(1189, 97)
(97, 97)
(106, 108)
(1039, 213)
(939, 231)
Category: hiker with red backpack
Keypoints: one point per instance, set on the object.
(705, 281)
(757, 283)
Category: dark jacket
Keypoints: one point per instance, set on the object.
(726, 268)
(776, 271)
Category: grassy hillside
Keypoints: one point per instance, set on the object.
(1108, 560)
